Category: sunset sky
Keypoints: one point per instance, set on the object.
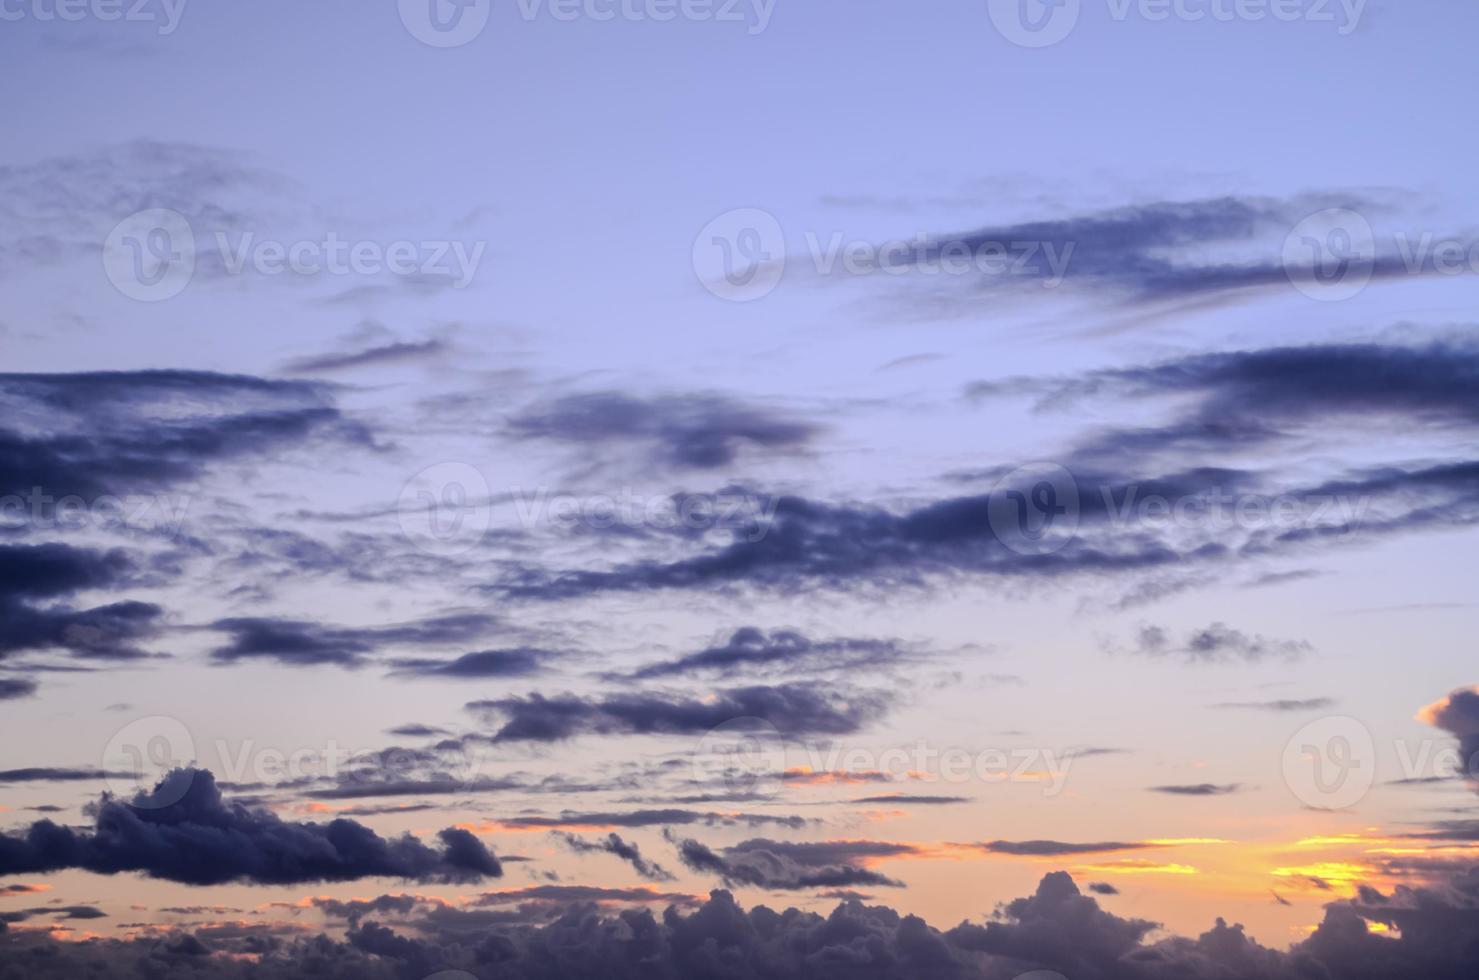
(476, 479)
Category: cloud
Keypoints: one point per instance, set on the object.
(59, 775)
(399, 352)
(31, 575)
(791, 709)
(15, 688)
(782, 865)
(1248, 398)
(752, 650)
(1280, 705)
(1428, 932)
(1198, 789)
(114, 433)
(183, 830)
(647, 818)
(679, 432)
(615, 845)
(1054, 848)
(300, 643)
(1458, 714)
(915, 800)
(519, 662)
(1218, 644)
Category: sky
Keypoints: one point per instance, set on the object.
(744, 488)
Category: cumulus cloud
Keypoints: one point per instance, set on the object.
(183, 830)
(1458, 714)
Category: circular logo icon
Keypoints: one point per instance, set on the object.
(1330, 255)
(150, 255)
(1034, 23)
(744, 755)
(141, 754)
(445, 23)
(445, 509)
(740, 255)
(1330, 763)
(1034, 510)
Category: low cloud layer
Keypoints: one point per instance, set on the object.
(183, 830)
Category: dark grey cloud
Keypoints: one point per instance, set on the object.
(1103, 888)
(751, 650)
(681, 432)
(1249, 398)
(400, 352)
(113, 433)
(516, 662)
(613, 844)
(1198, 789)
(1458, 714)
(302, 643)
(183, 830)
(915, 800)
(15, 688)
(784, 865)
(874, 550)
(49, 774)
(35, 578)
(577, 934)
(791, 709)
(1160, 252)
